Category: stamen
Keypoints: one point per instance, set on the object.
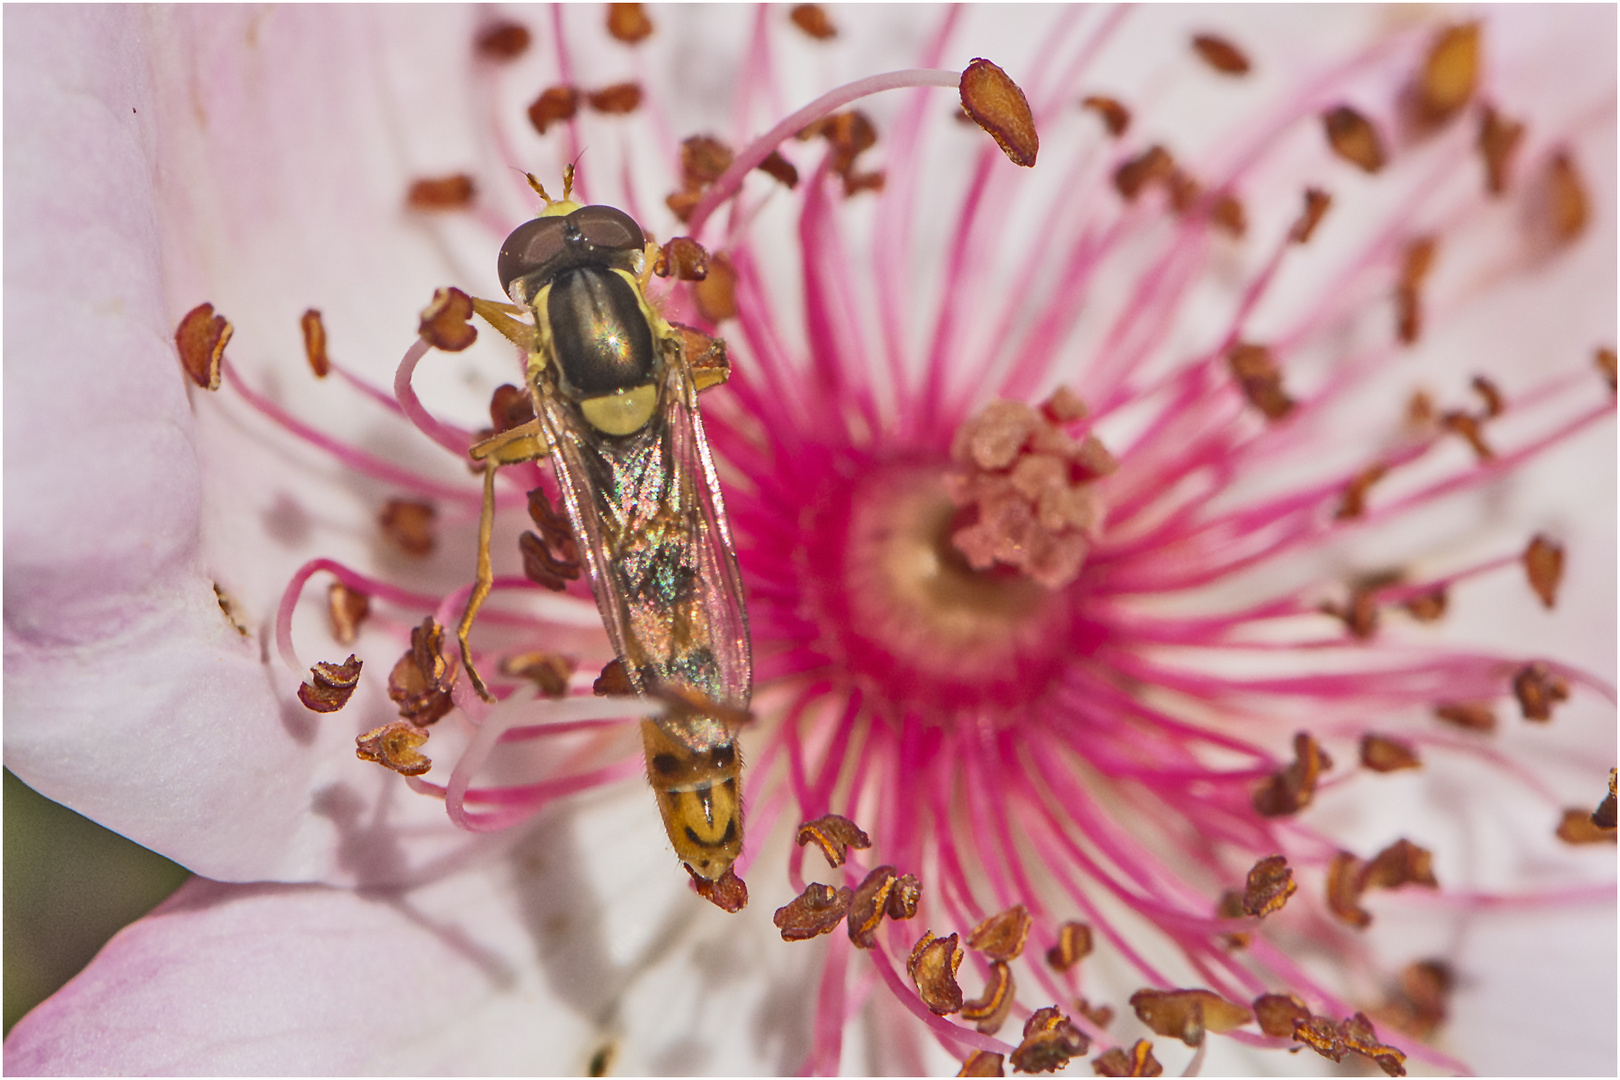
(1220, 54)
(990, 1009)
(1279, 1014)
(1498, 142)
(1353, 138)
(1270, 884)
(1115, 116)
(867, 907)
(554, 105)
(813, 20)
(684, 258)
(408, 525)
(628, 23)
(503, 41)
(1002, 936)
(423, 678)
(454, 192)
(1140, 1061)
(1291, 790)
(716, 295)
(997, 104)
(1050, 1041)
(834, 835)
(330, 685)
(1073, 945)
(445, 322)
(1188, 1014)
(1380, 753)
(394, 746)
(549, 672)
(1544, 567)
(1317, 203)
(346, 609)
(1419, 1006)
(728, 892)
(1445, 84)
(1255, 370)
(1538, 690)
(983, 1063)
(932, 967)
(201, 338)
(1577, 827)
(816, 911)
(1604, 816)
(1358, 1037)
(1468, 715)
(315, 342)
(620, 99)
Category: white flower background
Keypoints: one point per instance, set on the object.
(257, 159)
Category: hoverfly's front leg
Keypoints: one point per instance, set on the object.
(520, 444)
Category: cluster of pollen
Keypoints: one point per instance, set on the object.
(1026, 491)
(971, 653)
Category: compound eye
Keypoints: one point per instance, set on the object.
(530, 247)
(608, 227)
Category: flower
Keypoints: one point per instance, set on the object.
(1030, 675)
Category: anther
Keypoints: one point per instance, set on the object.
(346, 609)
(1354, 138)
(1115, 116)
(1138, 1061)
(1291, 790)
(1073, 945)
(502, 41)
(932, 967)
(729, 893)
(454, 192)
(444, 323)
(548, 672)
(1538, 690)
(816, 911)
(1468, 715)
(1002, 935)
(834, 835)
(315, 342)
(554, 105)
(983, 1063)
(408, 525)
(1317, 202)
(990, 1009)
(421, 681)
(1269, 885)
(1277, 1014)
(201, 338)
(1498, 142)
(628, 23)
(330, 686)
(1544, 568)
(997, 104)
(1188, 1014)
(813, 20)
(1220, 54)
(1255, 369)
(616, 100)
(393, 746)
(1380, 753)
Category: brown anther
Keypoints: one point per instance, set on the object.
(816, 911)
(1269, 886)
(1278, 1013)
(1063, 407)
(812, 19)
(1183, 190)
(616, 100)
(201, 338)
(445, 322)
(1498, 141)
(1419, 1004)
(1468, 427)
(1419, 410)
(1255, 370)
(628, 23)
(1445, 83)
(1358, 1037)
(834, 835)
(503, 40)
(612, 682)
(1577, 827)
(1227, 214)
(543, 566)
(1489, 394)
(779, 167)
(729, 892)
(549, 672)
(932, 967)
(315, 342)
(1428, 606)
(1221, 54)
(1354, 501)
(1416, 262)
(1099, 1015)
(1115, 116)
(1073, 945)
(1187, 1014)
(1604, 361)
(682, 203)
(1317, 202)
(1139, 1061)
(989, 1010)
(441, 193)
(1354, 138)
(1544, 566)
(1321, 1035)
(1153, 165)
(1382, 754)
(1290, 790)
(996, 104)
(1359, 614)
(330, 686)
(1604, 816)
(227, 607)
(1401, 863)
(346, 608)
(1230, 906)
(983, 1063)
(510, 407)
(421, 681)
(1344, 889)
(393, 746)
(554, 105)
(867, 908)
(1560, 201)
(703, 160)
(902, 902)
(855, 183)
(1468, 715)
(1002, 935)
(683, 258)
(1538, 690)
(716, 295)
(408, 525)
(1051, 1041)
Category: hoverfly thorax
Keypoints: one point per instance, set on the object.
(615, 402)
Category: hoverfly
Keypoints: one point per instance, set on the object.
(615, 403)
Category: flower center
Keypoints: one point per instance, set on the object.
(900, 607)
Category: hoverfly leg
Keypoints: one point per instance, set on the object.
(512, 447)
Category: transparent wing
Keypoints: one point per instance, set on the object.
(650, 520)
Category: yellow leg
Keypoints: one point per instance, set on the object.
(486, 578)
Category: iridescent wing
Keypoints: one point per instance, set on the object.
(649, 517)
